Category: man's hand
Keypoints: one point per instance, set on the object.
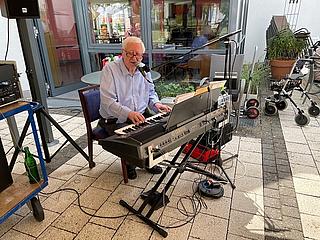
(162, 108)
(136, 117)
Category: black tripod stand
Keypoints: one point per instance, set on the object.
(38, 109)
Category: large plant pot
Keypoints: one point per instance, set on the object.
(280, 68)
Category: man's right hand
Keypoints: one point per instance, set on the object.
(136, 117)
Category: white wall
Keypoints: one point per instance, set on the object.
(15, 51)
(259, 16)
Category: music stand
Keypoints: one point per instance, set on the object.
(158, 199)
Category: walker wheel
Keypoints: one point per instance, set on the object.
(302, 120)
(314, 110)
(37, 209)
(252, 102)
(282, 105)
(270, 109)
(252, 112)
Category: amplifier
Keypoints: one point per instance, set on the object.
(10, 89)
(5, 175)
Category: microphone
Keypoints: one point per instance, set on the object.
(143, 69)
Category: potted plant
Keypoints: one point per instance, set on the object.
(283, 49)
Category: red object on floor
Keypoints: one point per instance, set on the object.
(202, 153)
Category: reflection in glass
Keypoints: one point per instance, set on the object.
(112, 22)
(61, 39)
(191, 24)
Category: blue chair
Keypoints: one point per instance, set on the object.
(90, 103)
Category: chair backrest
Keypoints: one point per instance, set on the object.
(90, 102)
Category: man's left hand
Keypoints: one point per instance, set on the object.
(162, 108)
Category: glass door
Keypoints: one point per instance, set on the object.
(59, 36)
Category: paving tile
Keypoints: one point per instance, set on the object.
(306, 186)
(9, 223)
(217, 207)
(53, 185)
(93, 231)
(115, 167)
(184, 188)
(316, 155)
(250, 146)
(249, 184)
(246, 225)
(248, 202)
(72, 219)
(313, 145)
(272, 202)
(294, 135)
(110, 213)
(288, 201)
(310, 225)
(93, 172)
(273, 193)
(31, 226)
(65, 172)
(236, 237)
(306, 172)
(272, 213)
(105, 158)
(297, 148)
(251, 170)
(250, 157)
(308, 204)
(293, 234)
(56, 234)
(290, 211)
(108, 181)
(23, 211)
(173, 233)
(301, 159)
(60, 201)
(93, 198)
(142, 180)
(292, 223)
(218, 227)
(15, 235)
(78, 160)
(79, 183)
(127, 193)
(133, 230)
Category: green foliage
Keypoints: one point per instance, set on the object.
(259, 73)
(285, 45)
(165, 89)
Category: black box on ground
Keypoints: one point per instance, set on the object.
(5, 175)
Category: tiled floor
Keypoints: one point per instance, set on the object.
(259, 208)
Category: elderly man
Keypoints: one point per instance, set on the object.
(126, 95)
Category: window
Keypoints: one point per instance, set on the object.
(112, 21)
(180, 24)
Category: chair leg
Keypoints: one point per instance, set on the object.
(124, 170)
(90, 153)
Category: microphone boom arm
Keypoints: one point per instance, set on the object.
(222, 38)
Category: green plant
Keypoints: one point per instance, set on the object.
(165, 89)
(259, 73)
(285, 45)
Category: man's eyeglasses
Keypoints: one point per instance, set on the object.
(132, 54)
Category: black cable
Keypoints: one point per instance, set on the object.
(8, 39)
(79, 204)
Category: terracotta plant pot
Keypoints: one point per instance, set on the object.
(280, 68)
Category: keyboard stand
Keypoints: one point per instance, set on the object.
(155, 198)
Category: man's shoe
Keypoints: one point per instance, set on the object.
(132, 174)
(155, 170)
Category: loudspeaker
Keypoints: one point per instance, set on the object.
(5, 175)
(20, 9)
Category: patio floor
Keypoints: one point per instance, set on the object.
(277, 193)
